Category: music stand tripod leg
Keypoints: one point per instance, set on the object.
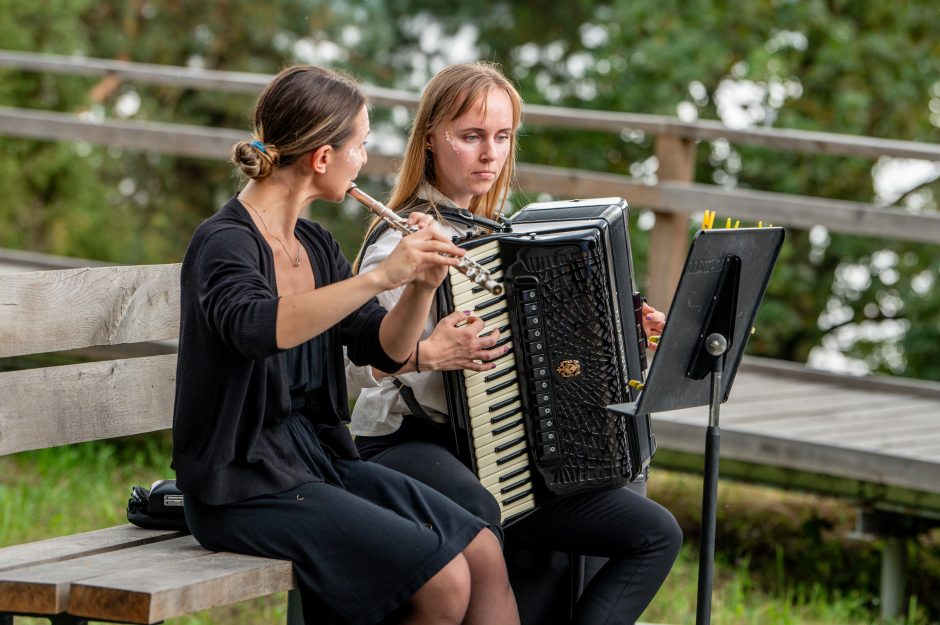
(716, 345)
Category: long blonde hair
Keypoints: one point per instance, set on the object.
(450, 94)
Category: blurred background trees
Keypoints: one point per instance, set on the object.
(856, 67)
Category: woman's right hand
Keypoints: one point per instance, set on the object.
(419, 257)
(455, 344)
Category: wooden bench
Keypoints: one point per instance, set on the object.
(124, 573)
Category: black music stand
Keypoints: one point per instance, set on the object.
(712, 314)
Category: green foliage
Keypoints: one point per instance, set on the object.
(860, 67)
(784, 557)
(74, 488)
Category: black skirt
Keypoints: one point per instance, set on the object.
(363, 539)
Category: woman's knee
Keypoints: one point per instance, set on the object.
(485, 557)
(671, 536)
(445, 597)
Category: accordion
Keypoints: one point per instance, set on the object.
(537, 425)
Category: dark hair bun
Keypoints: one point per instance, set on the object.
(253, 162)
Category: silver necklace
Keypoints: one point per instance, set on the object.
(295, 262)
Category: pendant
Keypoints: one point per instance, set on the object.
(296, 262)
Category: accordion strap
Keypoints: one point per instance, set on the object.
(411, 401)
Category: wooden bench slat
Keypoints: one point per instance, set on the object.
(80, 545)
(89, 401)
(51, 311)
(153, 594)
(44, 588)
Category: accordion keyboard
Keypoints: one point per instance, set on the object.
(495, 414)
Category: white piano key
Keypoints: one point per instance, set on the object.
(517, 507)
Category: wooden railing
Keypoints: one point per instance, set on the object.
(674, 198)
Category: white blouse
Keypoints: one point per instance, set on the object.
(379, 406)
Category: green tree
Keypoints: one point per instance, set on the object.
(858, 67)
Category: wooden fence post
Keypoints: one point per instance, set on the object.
(669, 239)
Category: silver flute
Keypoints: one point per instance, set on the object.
(474, 271)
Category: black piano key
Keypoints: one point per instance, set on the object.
(518, 497)
(502, 330)
(498, 374)
(486, 260)
(515, 472)
(515, 485)
(509, 444)
(489, 302)
(509, 458)
(493, 315)
(508, 426)
(500, 387)
(502, 404)
(506, 415)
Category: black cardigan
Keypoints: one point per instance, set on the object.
(232, 389)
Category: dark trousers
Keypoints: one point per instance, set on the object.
(639, 538)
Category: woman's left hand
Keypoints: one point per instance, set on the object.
(653, 324)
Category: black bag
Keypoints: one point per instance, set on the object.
(160, 508)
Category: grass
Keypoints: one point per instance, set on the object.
(782, 558)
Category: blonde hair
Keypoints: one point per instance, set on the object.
(303, 108)
(450, 94)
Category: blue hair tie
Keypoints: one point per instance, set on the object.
(258, 146)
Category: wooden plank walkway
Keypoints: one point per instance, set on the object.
(872, 439)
